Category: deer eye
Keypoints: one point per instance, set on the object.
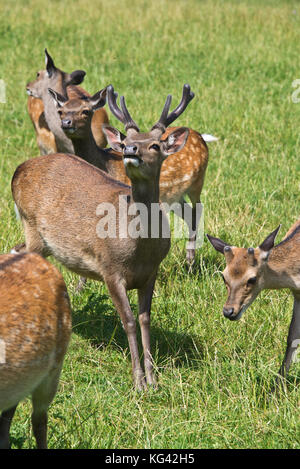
(251, 281)
(38, 74)
(59, 111)
(155, 147)
(85, 112)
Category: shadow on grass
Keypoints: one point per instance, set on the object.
(17, 442)
(99, 322)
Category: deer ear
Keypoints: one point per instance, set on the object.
(58, 98)
(268, 243)
(50, 67)
(76, 77)
(114, 137)
(175, 141)
(98, 100)
(218, 244)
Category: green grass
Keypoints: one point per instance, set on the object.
(240, 59)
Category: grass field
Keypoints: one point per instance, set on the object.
(240, 58)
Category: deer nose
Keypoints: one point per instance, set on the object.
(66, 123)
(130, 150)
(228, 312)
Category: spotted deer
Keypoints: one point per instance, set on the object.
(42, 111)
(60, 217)
(249, 271)
(181, 175)
(35, 328)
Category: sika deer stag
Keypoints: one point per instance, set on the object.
(42, 111)
(35, 328)
(249, 271)
(60, 199)
(181, 175)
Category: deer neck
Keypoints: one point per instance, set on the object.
(282, 269)
(64, 144)
(145, 194)
(145, 191)
(89, 151)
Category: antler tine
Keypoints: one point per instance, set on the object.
(112, 102)
(187, 96)
(161, 123)
(129, 122)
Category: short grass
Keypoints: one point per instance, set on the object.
(240, 58)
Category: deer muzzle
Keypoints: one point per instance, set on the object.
(67, 125)
(130, 156)
(130, 150)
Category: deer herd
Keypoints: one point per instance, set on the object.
(57, 196)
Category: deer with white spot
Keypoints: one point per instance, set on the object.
(35, 328)
(59, 217)
(249, 271)
(181, 175)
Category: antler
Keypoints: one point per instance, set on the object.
(166, 119)
(122, 115)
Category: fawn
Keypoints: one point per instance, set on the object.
(35, 328)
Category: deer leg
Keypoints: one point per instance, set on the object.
(81, 284)
(293, 339)
(120, 300)
(5, 423)
(191, 247)
(191, 217)
(42, 397)
(145, 298)
(33, 240)
(39, 419)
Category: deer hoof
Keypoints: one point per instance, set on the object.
(140, 383)
(190, 256)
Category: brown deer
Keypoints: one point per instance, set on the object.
(61, 197)
(42, 111)
(181, 175)
(249, 271)
(35, 328)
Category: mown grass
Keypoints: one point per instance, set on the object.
(240, 59)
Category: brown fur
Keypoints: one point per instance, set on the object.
(35, 325)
